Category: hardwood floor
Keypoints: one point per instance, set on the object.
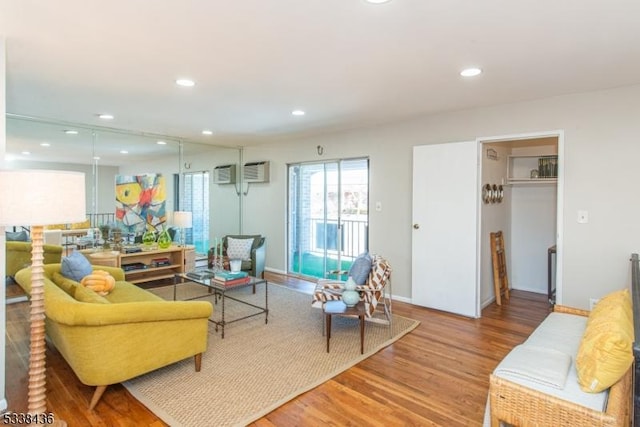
(436, 375)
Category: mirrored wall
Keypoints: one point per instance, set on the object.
(106, 155)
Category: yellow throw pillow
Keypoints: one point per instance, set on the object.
(620, 299)
(606, 349)
(64, 283)
(83, 294)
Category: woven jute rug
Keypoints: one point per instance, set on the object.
(257, 367)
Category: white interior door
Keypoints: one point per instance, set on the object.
(445, 227)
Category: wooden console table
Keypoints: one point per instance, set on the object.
(180, 260)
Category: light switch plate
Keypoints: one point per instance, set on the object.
(583, 217)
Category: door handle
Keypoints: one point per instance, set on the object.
(416, 226)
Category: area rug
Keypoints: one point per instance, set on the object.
(257, 367)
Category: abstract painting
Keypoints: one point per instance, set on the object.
(140, 202)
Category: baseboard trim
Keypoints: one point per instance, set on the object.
(14, 300)
(532, 290)
(275, 270)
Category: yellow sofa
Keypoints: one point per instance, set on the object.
(124, 334)
(19, 256)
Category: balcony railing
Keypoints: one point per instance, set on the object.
(351, 236)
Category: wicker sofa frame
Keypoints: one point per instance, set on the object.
(518, 405)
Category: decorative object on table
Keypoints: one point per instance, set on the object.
(235, 265)
(116, 235)
(104, 233)
(182, 220)
(38, 198)
(149, 238)
(230, 278)
(350, 296)
(216, 259)
(164, 239)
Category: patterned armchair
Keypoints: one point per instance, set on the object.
(374, 292)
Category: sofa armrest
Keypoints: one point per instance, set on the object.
(258, 256)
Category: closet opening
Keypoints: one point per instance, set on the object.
(521, 186)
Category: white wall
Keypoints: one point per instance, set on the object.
(533, 230)
(601, 156)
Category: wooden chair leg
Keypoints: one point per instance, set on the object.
(96, 396)
(198, 361)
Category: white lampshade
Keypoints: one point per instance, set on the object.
(182, 219)
(41, 197)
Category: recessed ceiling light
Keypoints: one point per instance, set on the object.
(161, 143)
(185, 82)
(207, 132)
(96, 157)
(26, 153)
(376, 1)
(470, 72)
(71, 132)
(297, 113)
(124, 152)
(45, 144)
(106, 116)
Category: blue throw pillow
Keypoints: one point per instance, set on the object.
(17, 236)
(361, 268)
(75, 266)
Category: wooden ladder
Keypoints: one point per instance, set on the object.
(500, 279)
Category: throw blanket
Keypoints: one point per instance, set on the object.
(541, 365)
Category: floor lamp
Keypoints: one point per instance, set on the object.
(182, 220)
(36, 198)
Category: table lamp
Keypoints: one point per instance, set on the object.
(182, 220)
(36, 198)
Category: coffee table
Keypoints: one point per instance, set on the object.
(220, 294)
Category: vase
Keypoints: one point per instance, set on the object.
(104, 232)
(350, 296)
(164, 239)
(149, 238)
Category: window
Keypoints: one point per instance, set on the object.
(196, 199)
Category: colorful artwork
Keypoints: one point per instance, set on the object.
(140, 202)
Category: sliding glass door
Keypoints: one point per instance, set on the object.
(328, 215)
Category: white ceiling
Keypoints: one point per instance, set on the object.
(347, 63)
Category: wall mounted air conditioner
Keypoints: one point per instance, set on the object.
(224, 174)
(256, 172)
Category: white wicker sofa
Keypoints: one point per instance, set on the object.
(537, 382)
